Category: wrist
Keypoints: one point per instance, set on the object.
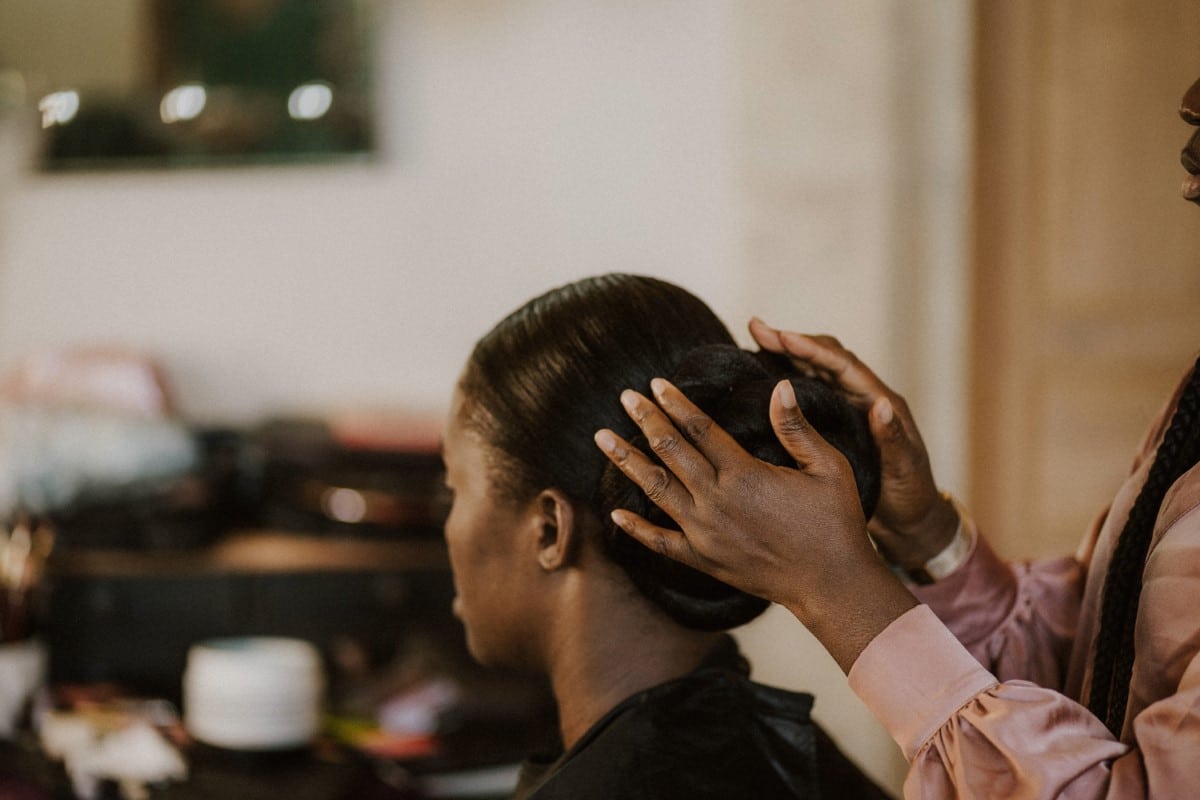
(913, 545)
(850, 610)
(946, 560)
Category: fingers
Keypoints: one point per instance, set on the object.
(659, 484)
(837, 365)
(886, 427)
(799, 438)
(766, 336)
(901, 450)
(672, 544)
(799, 346)
(825, 357)
(709, 438)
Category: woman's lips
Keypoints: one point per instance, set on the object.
(1191, 184)
(1191, 187)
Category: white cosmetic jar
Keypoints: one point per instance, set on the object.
(253, 693)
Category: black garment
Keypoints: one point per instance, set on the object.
(710, 734)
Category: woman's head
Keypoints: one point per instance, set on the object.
(542, 380)
(538, 386)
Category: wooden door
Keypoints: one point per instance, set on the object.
(1086, 283)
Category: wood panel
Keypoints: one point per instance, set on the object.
(1086, 262)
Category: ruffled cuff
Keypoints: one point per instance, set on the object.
(915, 675)
(976, 598)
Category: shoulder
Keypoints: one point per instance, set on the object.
(711, 734)
(705, 735)
(1181, 503)
(1168, 628)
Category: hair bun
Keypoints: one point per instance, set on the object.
(733, 386)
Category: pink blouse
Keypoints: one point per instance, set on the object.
(982, 686)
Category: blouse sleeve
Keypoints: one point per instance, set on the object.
(1018, 620)
(1020, 740)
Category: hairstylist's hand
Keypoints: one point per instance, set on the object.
(913, 521)
(795, 536)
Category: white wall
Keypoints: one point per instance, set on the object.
(800, 160)
(526, 144)
(853, 152)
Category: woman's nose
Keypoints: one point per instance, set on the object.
(1189, 109)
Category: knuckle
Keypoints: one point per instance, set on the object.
(656, 483)
(661, 545)
(893, 429)
(900, 468)
(697, 427)
(793, 424)
(665, 445)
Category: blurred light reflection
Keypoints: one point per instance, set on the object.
(310, 101)
(59, 108)
(183, 103)
(344, 505)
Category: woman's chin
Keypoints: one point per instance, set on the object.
(481, 655)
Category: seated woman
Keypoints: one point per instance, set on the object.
(654, 700)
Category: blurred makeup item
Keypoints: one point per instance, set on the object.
(22, 672)
(253, 693)
(122, 740)
(24, 547)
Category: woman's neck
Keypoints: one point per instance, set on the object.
(609, 644)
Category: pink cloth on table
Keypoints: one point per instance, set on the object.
(983, 686)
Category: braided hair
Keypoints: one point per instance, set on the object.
(1112, 667)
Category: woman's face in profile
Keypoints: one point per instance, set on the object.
(493, 583)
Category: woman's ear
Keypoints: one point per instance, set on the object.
(558, 530)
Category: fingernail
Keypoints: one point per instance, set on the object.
(629, 399)
(886, 413)
(606, 441)
(787, 395)
(618, 518)
(658, 386)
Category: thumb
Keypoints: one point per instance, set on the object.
(794, 432)
(896, 450)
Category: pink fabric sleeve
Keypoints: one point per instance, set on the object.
(945, 711)
(1017, 620)
(971, 697)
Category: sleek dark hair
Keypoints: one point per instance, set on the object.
(1112, 665)
(550, 374)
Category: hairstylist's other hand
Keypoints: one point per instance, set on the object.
(795, 536)
(913, 521)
